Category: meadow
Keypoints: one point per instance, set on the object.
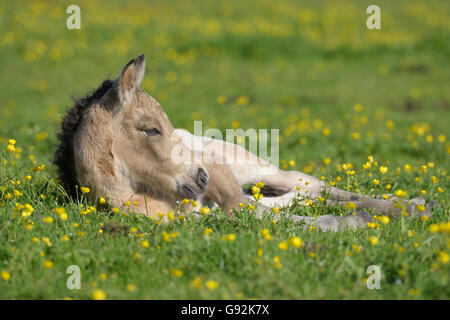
(365, 110)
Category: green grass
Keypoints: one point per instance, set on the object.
(304, 67)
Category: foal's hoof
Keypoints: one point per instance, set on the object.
(328, 222)
(415, 207)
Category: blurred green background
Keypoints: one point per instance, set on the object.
(300, 66)
(337, 91)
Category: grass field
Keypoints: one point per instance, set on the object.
(337, 91)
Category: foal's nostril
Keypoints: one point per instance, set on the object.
(202, 178)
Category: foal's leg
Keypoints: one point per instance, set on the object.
(247, 168)
(223, 187)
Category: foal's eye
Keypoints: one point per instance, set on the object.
(151, 132)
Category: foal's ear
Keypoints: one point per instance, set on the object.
(130, 78)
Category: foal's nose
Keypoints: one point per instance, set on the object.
(202, 178)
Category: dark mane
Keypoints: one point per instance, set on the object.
(64, 156)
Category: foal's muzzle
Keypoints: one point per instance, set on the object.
(193, 191)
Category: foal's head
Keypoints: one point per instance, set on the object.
(122, 141)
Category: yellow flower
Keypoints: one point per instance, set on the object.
(221, 99)
(98, 294)
(443, 257)
(5, 275)
(413, 292)
(372, 224)
(228, 237)
(48, 264)
(384, 219)
(283, 245)
(63, 216)
(10, 148)
(145, 244)
(208, 231)
(47, 241)
(420, 208)
(48, 220)
(383, 169)
(177, 273)
(17, 193)
(205, 211)
(131, 287)
(85, 189)
(211, 284)
(256, 190)
(373, 241)
(65, 238)
(276, 262)
(258, 196)
(400, 193)
(196, 283)
(102, 200)
(376, 182)
(358, 107)
(390, 124)
(295, 242)
(350, 205)
(266, 234)
(443, 227)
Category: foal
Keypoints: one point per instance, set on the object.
(119, 142)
